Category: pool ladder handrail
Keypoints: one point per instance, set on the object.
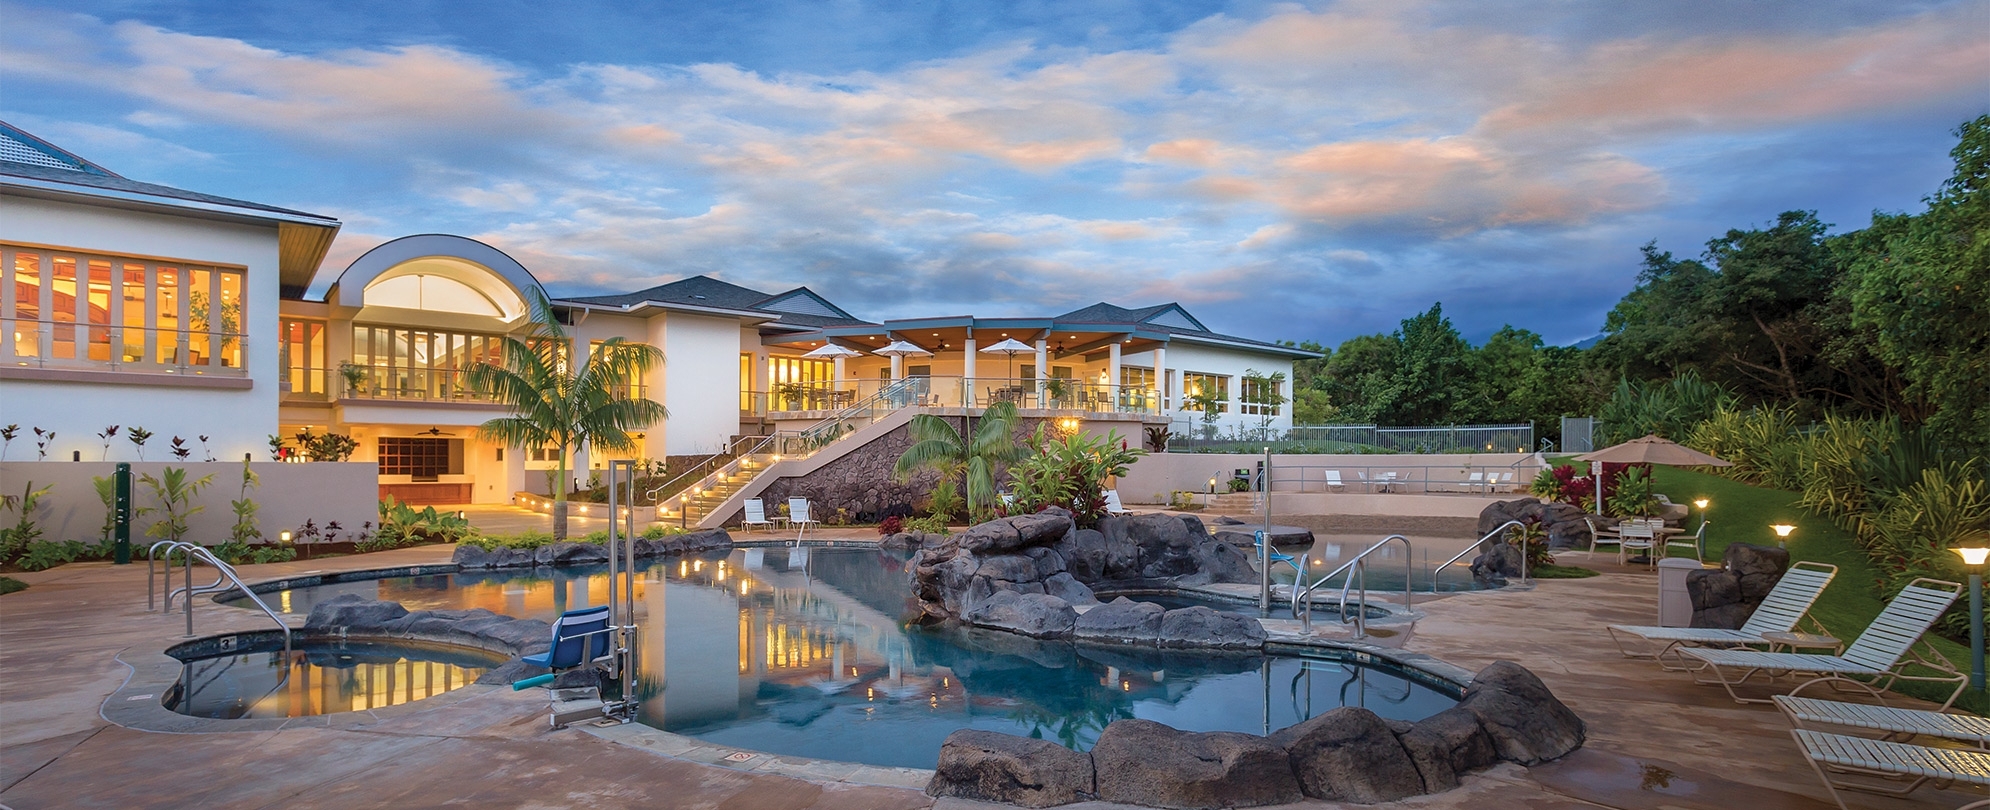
(194, 551)
(1356, 569)
(1475, 547)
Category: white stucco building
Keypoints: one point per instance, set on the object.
(133, 304)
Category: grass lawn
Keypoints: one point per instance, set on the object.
(10, 585)
(1742, 514)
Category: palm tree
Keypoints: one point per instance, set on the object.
(556, 405)
(957, 454)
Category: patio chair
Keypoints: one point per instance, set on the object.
(798, 517)
(1113, 506)
(1334, 482)
(1943, 766)
(756, 515)
(580, 637)
(1601, 536)
(1786, 605)
(1696, 541)
(1881, 654)
(1636, 535)
(1365, 481)
(1505, 482)
(1899, 725)
(1474, 483)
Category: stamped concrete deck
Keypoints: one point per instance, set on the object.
(1657, 740)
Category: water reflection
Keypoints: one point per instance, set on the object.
(808, 652)
(317, 679)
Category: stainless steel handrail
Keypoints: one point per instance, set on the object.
(151, 554)
(1475, 547)
(697, 468)
(1356, 568)
(195, 551)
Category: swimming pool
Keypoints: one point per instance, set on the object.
(806, 652)
(261, 679)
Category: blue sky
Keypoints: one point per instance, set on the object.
(1287, 171)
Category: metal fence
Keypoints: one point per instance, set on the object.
(1367, 439)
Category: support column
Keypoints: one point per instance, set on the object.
(1042, 369)
(837, 371)
(897, 367)
(1112, 376)
(1161, 378)
(967, 371)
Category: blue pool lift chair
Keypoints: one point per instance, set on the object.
(580, 637)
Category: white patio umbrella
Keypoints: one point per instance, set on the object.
(833, 351)
(1010, 347)
(898, 350)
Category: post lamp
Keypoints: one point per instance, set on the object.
(1782, 533)
(1973, 558)
(1701, 503)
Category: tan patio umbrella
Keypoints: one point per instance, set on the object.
(833, 352)
(1010, 347)
(1653, 450)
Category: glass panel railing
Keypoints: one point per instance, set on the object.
(821, 400)
(109, 347)
(435, 385)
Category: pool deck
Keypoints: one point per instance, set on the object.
(1656, 739)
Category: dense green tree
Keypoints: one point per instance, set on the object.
(1433, 373)
(1513, 383)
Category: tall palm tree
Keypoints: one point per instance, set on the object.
(554, 404)
(958, 454)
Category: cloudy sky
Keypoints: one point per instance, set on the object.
(1287, 171)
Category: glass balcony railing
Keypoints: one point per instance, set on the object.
(107, 347)
(429, 385)
(1058, 394)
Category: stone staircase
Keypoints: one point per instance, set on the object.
(1234, 503)
(691, 506)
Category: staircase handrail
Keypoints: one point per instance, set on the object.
(757, 448)
(863, 406)
(1474, 547)
(729, 449)
(195, 551)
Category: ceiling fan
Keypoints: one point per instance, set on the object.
(433, 431)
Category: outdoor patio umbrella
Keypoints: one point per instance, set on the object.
(1010, 347)
(1653, 450)
(833, 351)
(900, 348)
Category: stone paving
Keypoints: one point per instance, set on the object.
(1656, 739)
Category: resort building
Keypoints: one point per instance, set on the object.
(115, 287)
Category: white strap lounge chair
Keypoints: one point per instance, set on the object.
(1113, 506)
(1879, 656)
(756, 515)
(1943, 766)
(1474, 483)
(1900, 725)
(798, 517)
(1334, 483)
(1786, 605)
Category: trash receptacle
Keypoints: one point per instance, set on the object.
(1675, 607)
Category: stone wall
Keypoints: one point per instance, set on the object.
(1347, 754)
(859, 487)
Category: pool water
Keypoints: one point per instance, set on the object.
(319, 678)
(809, 652)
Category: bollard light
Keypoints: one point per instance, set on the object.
(284, 536)
(1782, 533)
(1973, 558)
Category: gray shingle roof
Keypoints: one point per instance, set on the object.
(1108, 314)
(705, 291)
(86, 175)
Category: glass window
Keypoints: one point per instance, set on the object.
(62, 309)
(26, 326)
(97, 310)
(1196, 386)
(168, 320)
(136, 316)
(1256, 388)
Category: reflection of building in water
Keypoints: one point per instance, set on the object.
(314, 687)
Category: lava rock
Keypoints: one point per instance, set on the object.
(1084, 554)
(1066, 587)
(1447, 745)
(571, 554)
(1031, 614)
(1349, 754)
(1527, 723)
(1146, 763)
(1121, 620)
(995, 767)
(357, 614)
(1499, 563)
(1743, 559)
(1205, 627)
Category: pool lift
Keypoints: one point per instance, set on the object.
(577, 705)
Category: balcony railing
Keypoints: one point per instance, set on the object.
(107, 347)
(430, 385)
(1055, 394)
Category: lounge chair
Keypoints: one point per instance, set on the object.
(1113, 506)
(1474, 483)
(1881, 653)
(1900, 725)
(1334, 483)
(580, 637)
(1943, 766)
(1786, 605)
(798, 517)
(1505, 482)
(756, 515)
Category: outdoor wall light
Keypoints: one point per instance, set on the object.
(1974, 558)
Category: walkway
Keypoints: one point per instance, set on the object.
(1656, 739)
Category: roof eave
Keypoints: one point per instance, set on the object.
(639, 306)
(141, 201)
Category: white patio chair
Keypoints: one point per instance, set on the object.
(1505, 482)
(1598, 536)
(1113, 506)
(1334, 483)
(1365, 481)
(1881, 654)
(1696, 541)
(1474, 483)
(1786, 605)
(798, 516)
(1635, 535)
(756, 515)
(1943, 766)
(1899, 725)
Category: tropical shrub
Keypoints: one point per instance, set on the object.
(403, 525)
(891, 525)
(1668, 408)
(1633, 495)
(961, 457)
(930, 524)
(1748, 439)
(43, 554)
(1071, 472)
(1547, 485)
(174, 494)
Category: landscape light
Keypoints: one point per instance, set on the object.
(1782, 529)
(1701, 504)
(1974, 557)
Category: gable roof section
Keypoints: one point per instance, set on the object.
(796, 307)
(1170, 318)
(20, 146)
(804, 301)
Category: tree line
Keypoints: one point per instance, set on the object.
(1890, 319)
